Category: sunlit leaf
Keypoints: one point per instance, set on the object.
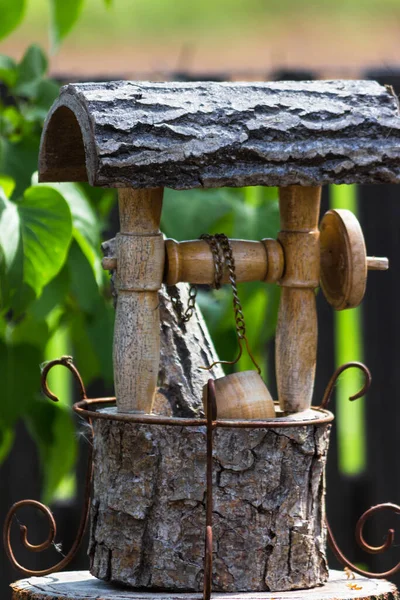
(35, 234)
(64, 15)
(8, 185)
(46, 230)
(86, 230)
(11, 13)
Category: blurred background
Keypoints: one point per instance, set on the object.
(239, 36)
(66, 308)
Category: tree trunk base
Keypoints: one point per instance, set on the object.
(148, 508)
(80, 585)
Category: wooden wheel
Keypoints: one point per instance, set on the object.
(343, 259)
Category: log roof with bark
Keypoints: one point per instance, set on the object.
(208, 134)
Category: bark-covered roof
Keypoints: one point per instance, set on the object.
(207, 134)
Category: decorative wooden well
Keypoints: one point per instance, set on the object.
(233, 501)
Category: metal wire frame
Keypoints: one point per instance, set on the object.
(86, 408)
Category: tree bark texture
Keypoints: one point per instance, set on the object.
(184, 348)
(190, 135)
(148, 507)
(79, 585)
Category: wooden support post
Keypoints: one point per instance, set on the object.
(296, 336)
(140, 259)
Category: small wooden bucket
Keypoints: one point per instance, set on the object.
(242, 395)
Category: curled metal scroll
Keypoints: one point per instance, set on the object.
(364, 545)
(65, 361)
(359, 533)
(338, 372)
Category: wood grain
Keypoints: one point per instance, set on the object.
(296, 334)
(192, 261)
(208, 134)
(140, 254)
(344, 261)
(242, 395)
(183, 349)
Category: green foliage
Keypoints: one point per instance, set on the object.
(247, 213)
(64, 15)
(12, 14)
(53, 291)
(50, 273)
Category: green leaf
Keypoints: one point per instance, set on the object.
(28, 330)
(12, 13)
(19, 160)
(8, 185)
(108, 3)
(31, 70)
(9, 231)
(6, 441)
(35, 235)
(20, 380)
(46, 229)
(197, 210)
(83, 284)
(47, 92)
(64, 15)
(52, 428)
(53, 295)
(8, 70)
(86, 230)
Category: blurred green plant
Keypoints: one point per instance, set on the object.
(50, 272)
(54, 296)
(63, 17)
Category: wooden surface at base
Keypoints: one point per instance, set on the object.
(80, 585)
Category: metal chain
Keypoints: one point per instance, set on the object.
(223, 256)
(183, 315)
(217, 252)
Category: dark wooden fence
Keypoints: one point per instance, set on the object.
(347, 497)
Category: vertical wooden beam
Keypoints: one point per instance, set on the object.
(140, 260)
(296, 336)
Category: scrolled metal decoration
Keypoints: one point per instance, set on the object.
(338, 372)
(359, 532)
(364, 545)
(65, 361)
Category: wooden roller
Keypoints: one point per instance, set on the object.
(192, 261)
(140, 259)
